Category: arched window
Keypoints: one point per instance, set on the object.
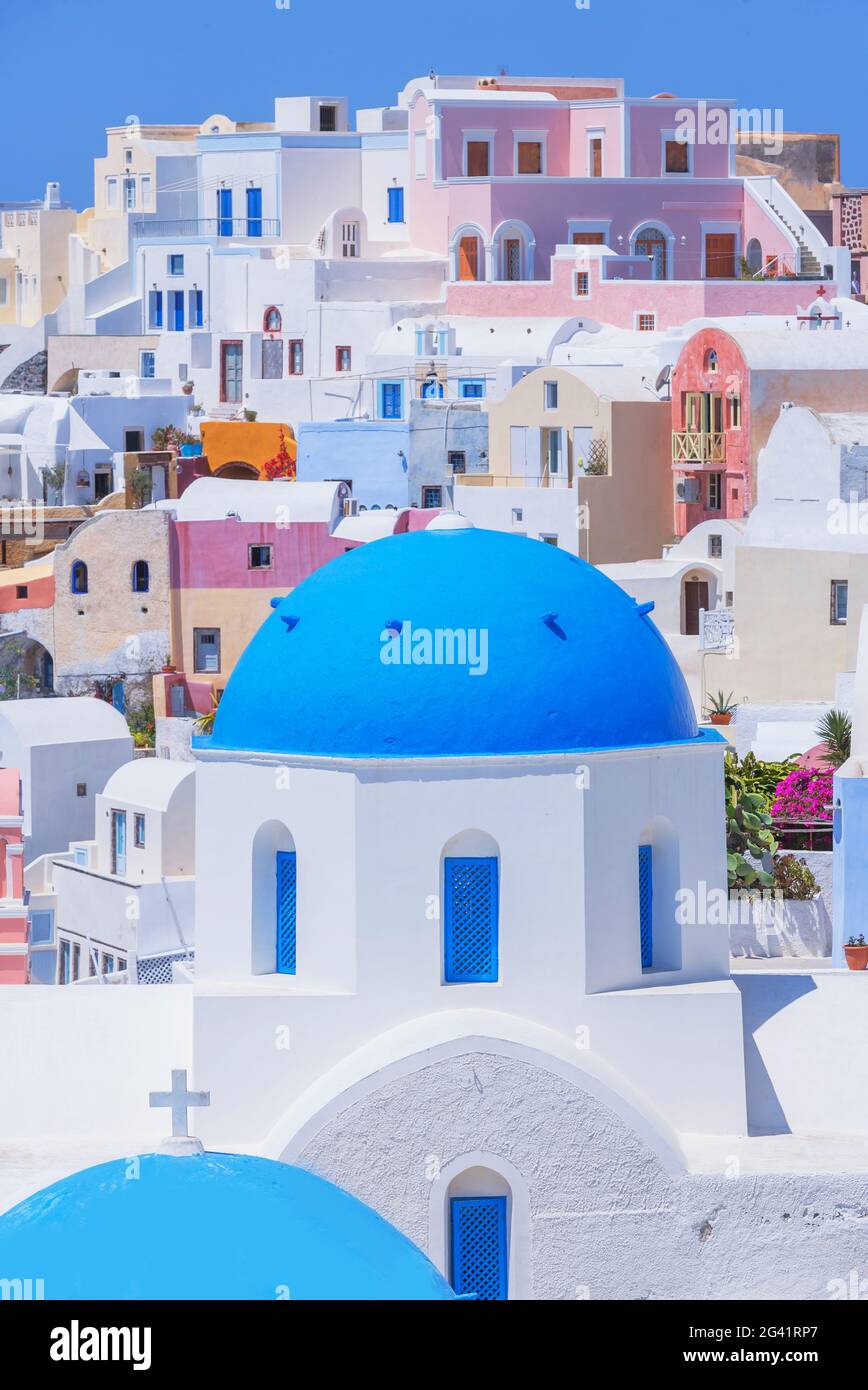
(471, 910)
(273, 942)
(273, 321)
(141, 577)
(479, 1212)
(79, 577)
(651, 242)
(711, 361)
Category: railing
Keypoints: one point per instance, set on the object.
(253, 228)
(698, 447)
(510, 480)
(803, 834)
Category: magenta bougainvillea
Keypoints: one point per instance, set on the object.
(803, 795)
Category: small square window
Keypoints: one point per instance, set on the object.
(259, 557)
(328, 118)
(517, 516)
(529, 157)
(20, 590)
(471, 390)
(715, 547)
(81, 789)
(715, 491)
(646, 323)
(551, 395)
(548, 540)
(344, 359)
(432, 496)
(583, 284)
(457, 461)
(139, 831)
(296, 357)
(176, 265)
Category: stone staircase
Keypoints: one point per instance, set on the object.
(809, 266)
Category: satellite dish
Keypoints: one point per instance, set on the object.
(663, 378)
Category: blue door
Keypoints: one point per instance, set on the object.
(479, 1262)
(392, 400)
(470, 927)
(178, 310)
(254, 212)
(396, 205)
(224, 211)
(119, 699)
(286, 902)
(119, 842)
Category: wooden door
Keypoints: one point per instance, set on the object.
(587, 238)
(695, 597)
(477, 159)
(720, 256)
(468, 258)
(231, 373)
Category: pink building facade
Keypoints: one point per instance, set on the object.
(13, 913)
(510, 184)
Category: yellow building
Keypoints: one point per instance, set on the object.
(34, 258)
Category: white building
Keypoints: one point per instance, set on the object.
(119, 907)
(65, 750)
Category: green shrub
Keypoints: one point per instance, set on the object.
(794, 879)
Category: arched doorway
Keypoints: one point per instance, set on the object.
(238, 470)
(653, 243)
(754, 255)
(698, 592)
(26, 668)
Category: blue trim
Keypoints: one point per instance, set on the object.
(254, 212)
(470, 920)
(285, 913)
(392, 400)
(646, 905)
(472, 389)
(224, 211)
(478, 1247)
(78, 577)
(396, 205)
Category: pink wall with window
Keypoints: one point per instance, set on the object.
(215, 554)
(647, 124)
(599, 120)
(726, 375)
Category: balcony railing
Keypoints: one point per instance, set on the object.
(548, 480)
(693, 448)
(228, 228)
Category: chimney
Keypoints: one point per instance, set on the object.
(52, 195)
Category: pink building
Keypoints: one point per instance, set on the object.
(545, 193)
(13, 913)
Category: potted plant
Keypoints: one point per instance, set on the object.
(720, 708)
(187, 388)
(856, 953)
(250, 416)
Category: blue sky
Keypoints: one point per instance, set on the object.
(71, 68)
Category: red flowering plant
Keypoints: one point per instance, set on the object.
(804, 794)
(281, 466)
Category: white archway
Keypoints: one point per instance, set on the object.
(653, 232)
(514, 251)
(483, 1174)
(468, 262)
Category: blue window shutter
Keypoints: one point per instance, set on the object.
(286, 899)
(646, 902)
(470, 925)
(224, 211)
(155, 309)
(178, 310)
(478, 1247)
(396, 205)
(254, 212)
(393, 406)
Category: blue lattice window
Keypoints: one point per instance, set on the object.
(646, 906)
(470, 920)
(478, 1247)
(286, 901)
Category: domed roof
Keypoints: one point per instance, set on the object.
(548, 655)
(212, 1226)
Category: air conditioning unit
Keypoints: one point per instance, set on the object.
(351, 506)
(687, 490)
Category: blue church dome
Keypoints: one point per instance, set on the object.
(547, 655)
(211, 1226)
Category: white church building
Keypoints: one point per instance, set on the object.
(458, 850)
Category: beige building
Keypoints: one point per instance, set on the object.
(126, 179)
(801, 574)
(598, 431)
(71, 353)
(34, 258)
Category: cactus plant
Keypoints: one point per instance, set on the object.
(748, 832)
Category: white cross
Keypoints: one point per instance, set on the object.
(179, 1100)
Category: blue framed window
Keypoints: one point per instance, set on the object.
(254, 212)
(470, 921)
(155, 309)
(478, 1247)
(78, 577)
(646, 906)
(141, 577)
(148, 364)
(176, 265)
(285, 915)
(196, 308)
(42, 927)
(176, 300)
(391, 400)
(396, 205)
(224, 211)
(471, 390)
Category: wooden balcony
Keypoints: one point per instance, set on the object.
(697, 449)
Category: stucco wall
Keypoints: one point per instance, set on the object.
(602, 1218)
